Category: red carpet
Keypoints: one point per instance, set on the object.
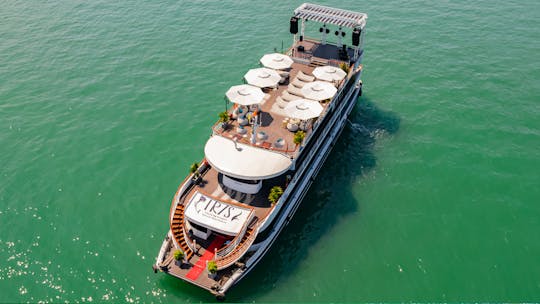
(200, 266)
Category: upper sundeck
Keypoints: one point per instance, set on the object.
(269, 123)
(275, 129)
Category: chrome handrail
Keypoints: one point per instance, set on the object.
(227, 249)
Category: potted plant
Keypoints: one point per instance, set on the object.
(179, 256)
(299, 137)
(194, 169)
(212, 269)
(344, 67)
(224, 119)
(275, 194)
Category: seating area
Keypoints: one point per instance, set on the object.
(267, 123)
(294, 89)
(295, 124)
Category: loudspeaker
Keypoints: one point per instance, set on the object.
(294, 25)
(356, 37)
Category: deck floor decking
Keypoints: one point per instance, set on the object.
(212, 186)
(272, 117)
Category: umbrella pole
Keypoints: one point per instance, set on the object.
(254, 128)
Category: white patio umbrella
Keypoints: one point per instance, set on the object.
(329, 73)
(276, 61)
(319, 90)
(245, 94)
(262, 77)
(303, 109)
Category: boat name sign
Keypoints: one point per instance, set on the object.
(217, 210)
(216, 215)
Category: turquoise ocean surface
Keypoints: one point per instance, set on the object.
(431, 194)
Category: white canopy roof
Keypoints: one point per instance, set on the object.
(329, 73)
(216, 215)
(303, 109)
(319, 90)
(262, 77)
(245, 94)
(276, 61)
(325, 14)
(243, 161)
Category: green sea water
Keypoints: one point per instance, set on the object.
(431, 194)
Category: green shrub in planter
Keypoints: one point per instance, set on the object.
(275, 194)
(212, 267)
(194, 167)
(299, 137)
(344, 67)
(178, 254)
(224, 116)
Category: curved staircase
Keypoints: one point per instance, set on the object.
(240, 250)
(177, 228)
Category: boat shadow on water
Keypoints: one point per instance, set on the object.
(329, 199)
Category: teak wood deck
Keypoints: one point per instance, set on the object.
(271, 119)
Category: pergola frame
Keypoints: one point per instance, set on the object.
(325, 14)
(329, 15)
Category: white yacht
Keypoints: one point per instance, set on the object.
(265, 151)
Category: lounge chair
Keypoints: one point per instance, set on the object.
(286, 96)
(295, 91)
(289, 97)
(298, 83)
(280, 102)
(303, 77)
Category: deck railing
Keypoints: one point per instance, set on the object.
(308, 57)
(227, 249)
(187, 184)
(189, 241)
(246, 141)
(238, 251)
